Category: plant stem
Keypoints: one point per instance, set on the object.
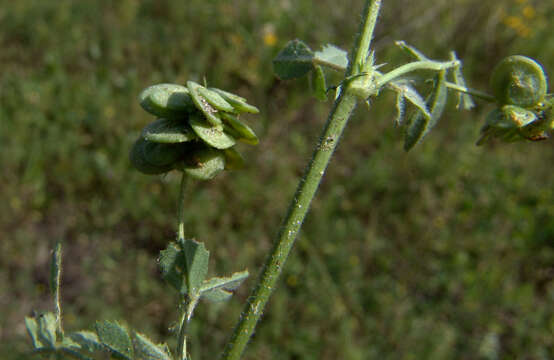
(305, 192)
(187, 312)
(480, 94)
(190, 304)
(181, 214)
(56, 274)
(413, 66)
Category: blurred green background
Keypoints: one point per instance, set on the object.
(446, 252)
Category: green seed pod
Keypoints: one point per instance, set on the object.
(519, 80)
(203, 163)
(239, 103)
(166, 100)
(210, 134)
(138, 160)
(202, 104)
(233, 159)
(214, 99)
(246, 134)
(168, 131)
(507, 124)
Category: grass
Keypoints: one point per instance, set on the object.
(444, 252)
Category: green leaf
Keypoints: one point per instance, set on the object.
(217, 295)
(196, 261)
(168, 131)
(219, 288)
(246, 134)
(166, 100)
(410, 50)
(210, 113)
(404, 87)
(420, 124)
(293, 61)
(145, 349)
(88, 340)
(172, 264)
(32, 328)
(318, 83)
(464, 100)
(116, 338)
(212, 135)
(400, 108)
(47, 329)
(332, 56)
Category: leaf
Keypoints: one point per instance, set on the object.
(293, 61)
(464, 100)
(219, 288)
(116, 338)
(401, 108)
(88, 340)
(47, 329)
(145, 349)
(420, 124)
(168, 131)
(410, 50)
(318, 83)
(410, 93)
(196, 262)
(332, 56)
(32, 328)
(172, 263)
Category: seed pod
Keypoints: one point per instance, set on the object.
(168, 131)
(166, 100)
(202, 104)
(246, 134)
(519, 80)
(203, 163)
(212, 135)
(233, 159)
(214, 99)
(138, 160)
(239, 103)
(507, 123)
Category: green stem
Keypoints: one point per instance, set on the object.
(480, 94)
(190, 304)
(305, 192)
(413, 66)
(181, 221)
(187, 311)
(56, 274)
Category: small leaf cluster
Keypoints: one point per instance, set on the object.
(296, 60)
(109, 338)
(524, 109)
(185, 265)
(195, 131)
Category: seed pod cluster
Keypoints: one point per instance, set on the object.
(195, 130)
(524, 109)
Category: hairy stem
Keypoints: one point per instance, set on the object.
(188, 309)
(305, 192)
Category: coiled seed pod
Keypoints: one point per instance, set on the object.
(519, 80)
